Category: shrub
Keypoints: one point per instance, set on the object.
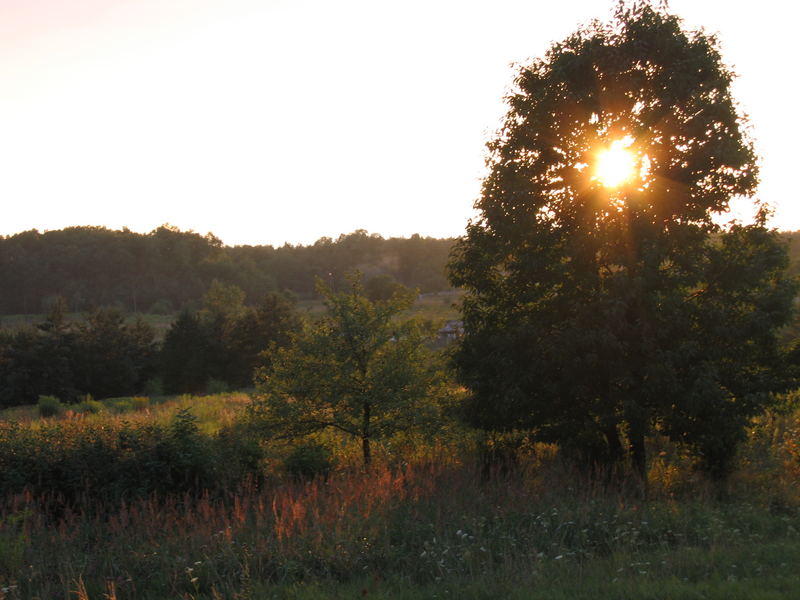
(121, 405)
(49, 406)
(106, 460)
(309, 461)
(89, 406)
(140, 402)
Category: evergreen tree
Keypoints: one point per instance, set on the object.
(112, 358)
(256, 334)
(184, 355)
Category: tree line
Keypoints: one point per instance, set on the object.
(215, 348)
(167, 270)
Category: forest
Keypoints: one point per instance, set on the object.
(167, 270)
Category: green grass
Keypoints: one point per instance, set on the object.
(435, 307)
(765, 571)
(424, 523)
(213, 412)
(160, 323)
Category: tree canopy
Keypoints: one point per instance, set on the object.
(600, 305)
(167, 270)
(359, 370)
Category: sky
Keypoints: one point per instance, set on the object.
(278, 121)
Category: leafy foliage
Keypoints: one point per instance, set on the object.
(168, 269)
(184, 355)
(251, 339)
(309, 460)
(102, 356)
(224, 343)
(594, 312)
(114, 459)
(358, 370)
(112, 358)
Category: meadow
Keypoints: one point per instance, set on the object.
(435, 307)
(152, 498)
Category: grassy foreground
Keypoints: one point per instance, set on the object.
(427, 522)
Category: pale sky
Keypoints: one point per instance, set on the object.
(278, 121)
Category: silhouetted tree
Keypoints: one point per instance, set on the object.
(596, 310)
(112, 358)
(184, 355)
(36, 362)
(256, 334)
(100, 355)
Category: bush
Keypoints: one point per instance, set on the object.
(140, 402)
(106, 459)
(121, 405)
(89, 406)
(309, 461)
(49, 406)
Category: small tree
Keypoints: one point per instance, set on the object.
(359, 370)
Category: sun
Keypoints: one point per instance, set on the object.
(615, 164)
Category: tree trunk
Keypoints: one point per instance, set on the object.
(639, 455)
(365, 436)
(615, 450)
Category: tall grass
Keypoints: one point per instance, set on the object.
(428, 521)
(427, 525)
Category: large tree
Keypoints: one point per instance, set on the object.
(595, 270)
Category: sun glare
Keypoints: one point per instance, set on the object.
(616, 164)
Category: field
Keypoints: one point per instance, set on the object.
(159, 323)
(435, 307)
(431, 519)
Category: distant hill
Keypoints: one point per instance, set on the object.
(168, 269)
